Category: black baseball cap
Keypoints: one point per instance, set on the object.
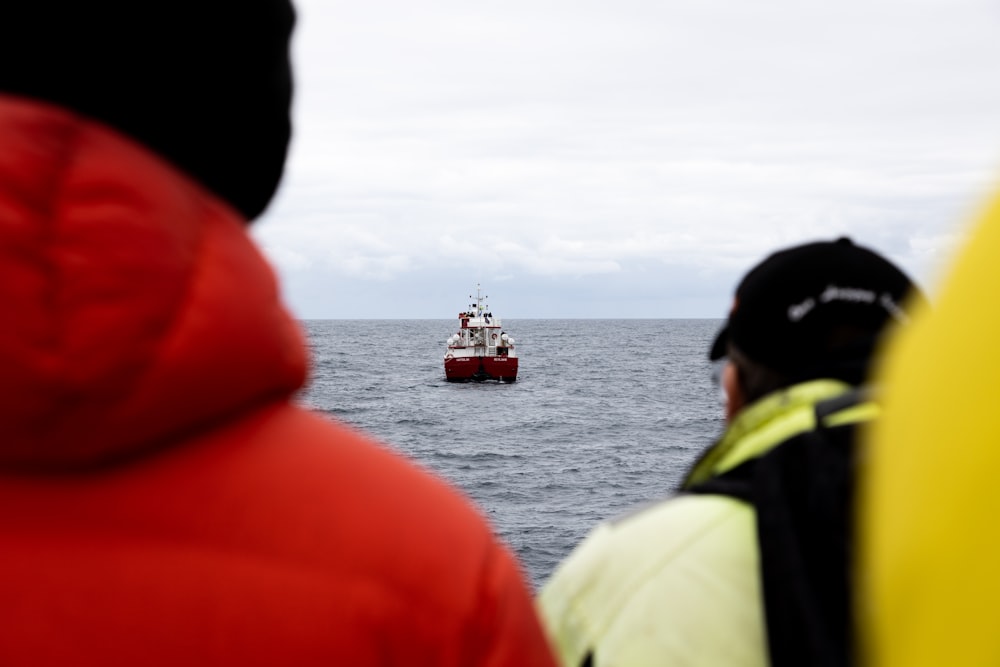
(790, 311)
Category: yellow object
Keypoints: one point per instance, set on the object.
(930, 568)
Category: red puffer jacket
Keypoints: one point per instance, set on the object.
(165, 503)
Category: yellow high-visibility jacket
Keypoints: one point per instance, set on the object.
(677, 583)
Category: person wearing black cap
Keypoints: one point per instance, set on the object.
(166, 501)
(751, 563)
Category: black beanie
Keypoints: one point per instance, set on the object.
(204, 83)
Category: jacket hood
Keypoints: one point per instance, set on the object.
(137, 308)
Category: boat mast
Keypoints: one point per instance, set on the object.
(477, 307)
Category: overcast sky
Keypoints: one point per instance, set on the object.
(623, 158)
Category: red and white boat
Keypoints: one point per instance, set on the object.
(481, 349)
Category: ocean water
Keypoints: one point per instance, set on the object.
(605, 415)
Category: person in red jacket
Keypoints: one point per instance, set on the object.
(166, 502)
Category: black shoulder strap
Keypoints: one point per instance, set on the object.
(803, 494)
(802, 491)
(849, 399)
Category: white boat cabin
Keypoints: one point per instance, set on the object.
(481, 331)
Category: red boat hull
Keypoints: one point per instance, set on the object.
(464, 369)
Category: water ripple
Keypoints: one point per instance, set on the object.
(583, 435)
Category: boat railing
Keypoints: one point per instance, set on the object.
(480, 322)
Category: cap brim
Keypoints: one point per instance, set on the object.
(720, 347)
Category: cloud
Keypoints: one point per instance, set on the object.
(629, 143)
(286, 259)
